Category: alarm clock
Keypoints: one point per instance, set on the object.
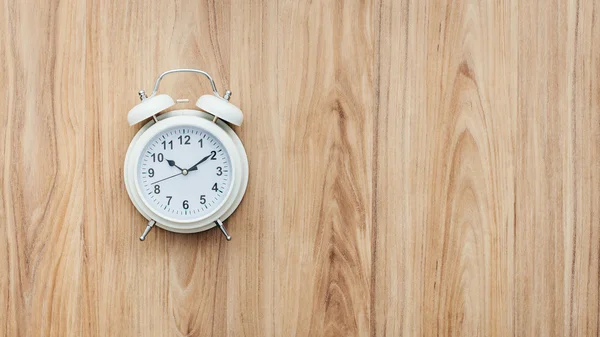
(186, 170)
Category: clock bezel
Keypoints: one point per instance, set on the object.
(207, 127)
(219, 130)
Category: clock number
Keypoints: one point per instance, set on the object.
(160, 157)
(215, 188)
(169, 197)
(213, 155)
(170, 143)
(181, 140)
(201, 144)
(219, 171)
(151, 172)
(185, 204)
(156, 189)
(203, 199)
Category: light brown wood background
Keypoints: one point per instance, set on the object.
(417, 168)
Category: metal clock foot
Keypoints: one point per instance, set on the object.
(222, 228)
(149, 227)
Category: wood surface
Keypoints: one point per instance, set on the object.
(417, 168)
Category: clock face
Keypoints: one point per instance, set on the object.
(184, 174)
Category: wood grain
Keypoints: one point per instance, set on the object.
(416, 169)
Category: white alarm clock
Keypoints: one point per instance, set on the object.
(186, 170)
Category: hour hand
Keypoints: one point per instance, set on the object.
(195, 167)
(172, 163)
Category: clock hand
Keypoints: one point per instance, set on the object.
(175, 175)
(195, 167)
(172, 163)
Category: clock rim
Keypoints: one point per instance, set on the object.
(223, 133)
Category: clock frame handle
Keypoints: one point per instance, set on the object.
(196, 71)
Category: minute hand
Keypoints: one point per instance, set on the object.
(195, 167)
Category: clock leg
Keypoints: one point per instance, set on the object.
(151, 224)
(222, 228)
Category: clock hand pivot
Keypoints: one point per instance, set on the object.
(172, 163)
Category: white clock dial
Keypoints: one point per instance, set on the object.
(184, 174)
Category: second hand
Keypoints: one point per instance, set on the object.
(175, 175)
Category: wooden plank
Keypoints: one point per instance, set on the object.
(171, 284)
(327, 102)
(43, 168)
(445, 173)
(250, 269)
(557, 166)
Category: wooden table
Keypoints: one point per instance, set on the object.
(417, 168)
